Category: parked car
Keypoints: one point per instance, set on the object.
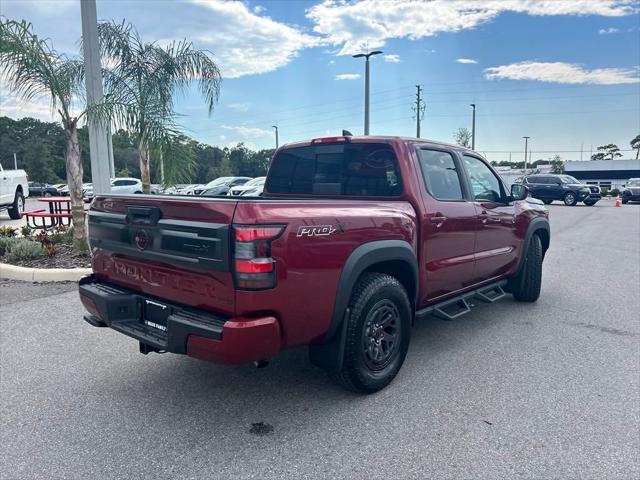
(631, 191)
(59, 187)
(195, 189)
(221, 186)
(126, 185)
(549, 187)
(253, 192)
(14, 189)
(87, 190)
(359, 237)
(250, 185)
(42, 190)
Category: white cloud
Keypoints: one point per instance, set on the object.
(356, 26)
(244, 42)
(392, 58)
(466, 60)
(240, 107)
(331, 62)
(608, 31)
(347, 76)
(559, 72)
(258, 9)
(248, 132)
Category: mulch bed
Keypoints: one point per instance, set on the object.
(64, 257)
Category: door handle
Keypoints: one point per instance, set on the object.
(438, 219)
(486, 218)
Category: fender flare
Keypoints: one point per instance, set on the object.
(328, 352)
(537, 224)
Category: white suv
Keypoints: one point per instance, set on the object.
(126, 185)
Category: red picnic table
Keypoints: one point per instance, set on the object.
(59, 213)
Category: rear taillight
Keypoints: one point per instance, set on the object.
(254, 269)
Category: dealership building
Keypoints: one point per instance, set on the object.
(604, 173)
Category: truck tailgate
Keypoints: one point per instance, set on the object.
(174, 248)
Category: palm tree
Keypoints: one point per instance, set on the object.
(143, 79)
(32, 69)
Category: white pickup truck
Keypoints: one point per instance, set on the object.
(13, 191)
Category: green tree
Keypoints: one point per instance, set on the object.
(462, 136)
(635, 145)
(604, 151)
(557, 165)
(145, 78)
(33, 68)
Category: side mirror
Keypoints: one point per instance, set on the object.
(519, 191)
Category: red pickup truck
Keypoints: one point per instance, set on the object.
(354, 238)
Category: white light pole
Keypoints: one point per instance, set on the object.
(99, 139)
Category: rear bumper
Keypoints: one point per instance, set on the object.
(178, 329)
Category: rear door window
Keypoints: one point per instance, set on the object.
(441, 175)
(352, 169)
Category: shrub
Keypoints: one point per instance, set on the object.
(23, 249)
(5, 244)
(8, 231)
(615, 192)
(604, 192)
(26, 231)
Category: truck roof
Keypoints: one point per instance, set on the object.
(383, 139)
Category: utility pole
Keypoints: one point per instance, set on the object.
(473, 127)
(98, 136)
(161, 167)
(15, 161)
(526, 145)
(366, 86)
(581, 149)
(419, 109)
(276, 129)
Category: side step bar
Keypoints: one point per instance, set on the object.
(459, 305)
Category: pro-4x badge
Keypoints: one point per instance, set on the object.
(316, 231)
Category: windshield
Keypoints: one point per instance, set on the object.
(634, 182)
(218, 181)
(569, 179)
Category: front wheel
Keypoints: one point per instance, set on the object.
(547, 202)
(378, 333)
(625, 200)
(15, 212)
(525, 287)
(570, 199)
(589, 204)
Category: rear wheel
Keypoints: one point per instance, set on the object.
(15, 212)
(570, 199)
(525, 287)
(378, 333)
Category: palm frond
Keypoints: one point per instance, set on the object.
(30, 65)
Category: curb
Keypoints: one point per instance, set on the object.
(28, 274)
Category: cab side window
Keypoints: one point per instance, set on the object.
(440, 174)
(485, 185)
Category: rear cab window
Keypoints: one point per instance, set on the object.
(440, 174)
(349, 169)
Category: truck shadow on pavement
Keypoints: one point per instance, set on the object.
(290, 395)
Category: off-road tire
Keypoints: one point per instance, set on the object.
(570, 199)
(372, 292)
(525, 287)
(16, 209)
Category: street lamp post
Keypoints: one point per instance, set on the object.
(473, 127)
(526, 146)
(276, 129)
(366, 86)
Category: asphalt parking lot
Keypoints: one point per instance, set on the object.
(544, 390)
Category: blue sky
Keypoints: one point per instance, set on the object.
(565, 72)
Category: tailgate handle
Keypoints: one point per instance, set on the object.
(143, 215)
